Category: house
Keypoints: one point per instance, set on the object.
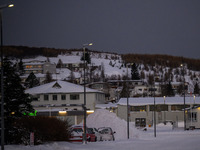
(167, 108)
(140, 90)
(104, 87)
(38, 66)
(64, 99)
(73, 63)
(193, 117)
(155, 88)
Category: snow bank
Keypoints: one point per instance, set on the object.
(104, 118)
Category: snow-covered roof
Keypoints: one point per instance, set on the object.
(70, 59)
(159, 100)
(54, 60)
(34, 63)
(38, 58)
(104, 106)
(59, 87)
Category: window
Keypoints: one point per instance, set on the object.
(152, 89)
(138, 108)
(63, 97)
(29, 66)
(192, 116)
(159, 108)
(74, 97)
(35, 97)
(54, 97)
(178, 107)
(46, 97)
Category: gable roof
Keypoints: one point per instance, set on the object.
(59, 87)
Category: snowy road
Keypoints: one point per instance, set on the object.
(165, 140)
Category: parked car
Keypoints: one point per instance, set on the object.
(97, 134)
(107, 133)
(77, 134)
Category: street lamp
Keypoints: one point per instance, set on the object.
(154, 110)
(164, 110)
(183, 71)
(128, 107)
(84, 126)
(2, 89)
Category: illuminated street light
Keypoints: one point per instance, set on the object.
(2, 84)
(183, 71)
(84, 126)
(164, 110)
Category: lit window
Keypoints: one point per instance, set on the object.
(137, 108)
(29, 66)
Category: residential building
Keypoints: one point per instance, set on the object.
(60, 96)
(73, 63)
(37, 66)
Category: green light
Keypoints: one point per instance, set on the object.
(31, 114)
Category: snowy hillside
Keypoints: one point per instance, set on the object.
(115, 68)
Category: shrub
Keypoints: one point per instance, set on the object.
(45, 129)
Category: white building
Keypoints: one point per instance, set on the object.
(167, 109)
(193, 117)
(39, 67)
(50, 98)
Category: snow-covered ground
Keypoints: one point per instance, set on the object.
(166, 138)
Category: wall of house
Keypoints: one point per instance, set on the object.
(161, 116)
(195, 123)
(91, 99)
(48, 67)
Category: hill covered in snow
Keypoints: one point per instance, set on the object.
(111, 66)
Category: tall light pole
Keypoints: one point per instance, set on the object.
(183, 71)
(128, 107)
(154, 110)
(127, 95)
(84, 126)
(164, 110)
(2, 84)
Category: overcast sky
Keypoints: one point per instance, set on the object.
(124, 26)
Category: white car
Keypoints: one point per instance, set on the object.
(107, 134)
(97, 134)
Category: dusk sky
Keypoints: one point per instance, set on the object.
(123, 26)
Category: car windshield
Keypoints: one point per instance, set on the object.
(105, 130)
(95, 130)
(77, 130)
(90, 130)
